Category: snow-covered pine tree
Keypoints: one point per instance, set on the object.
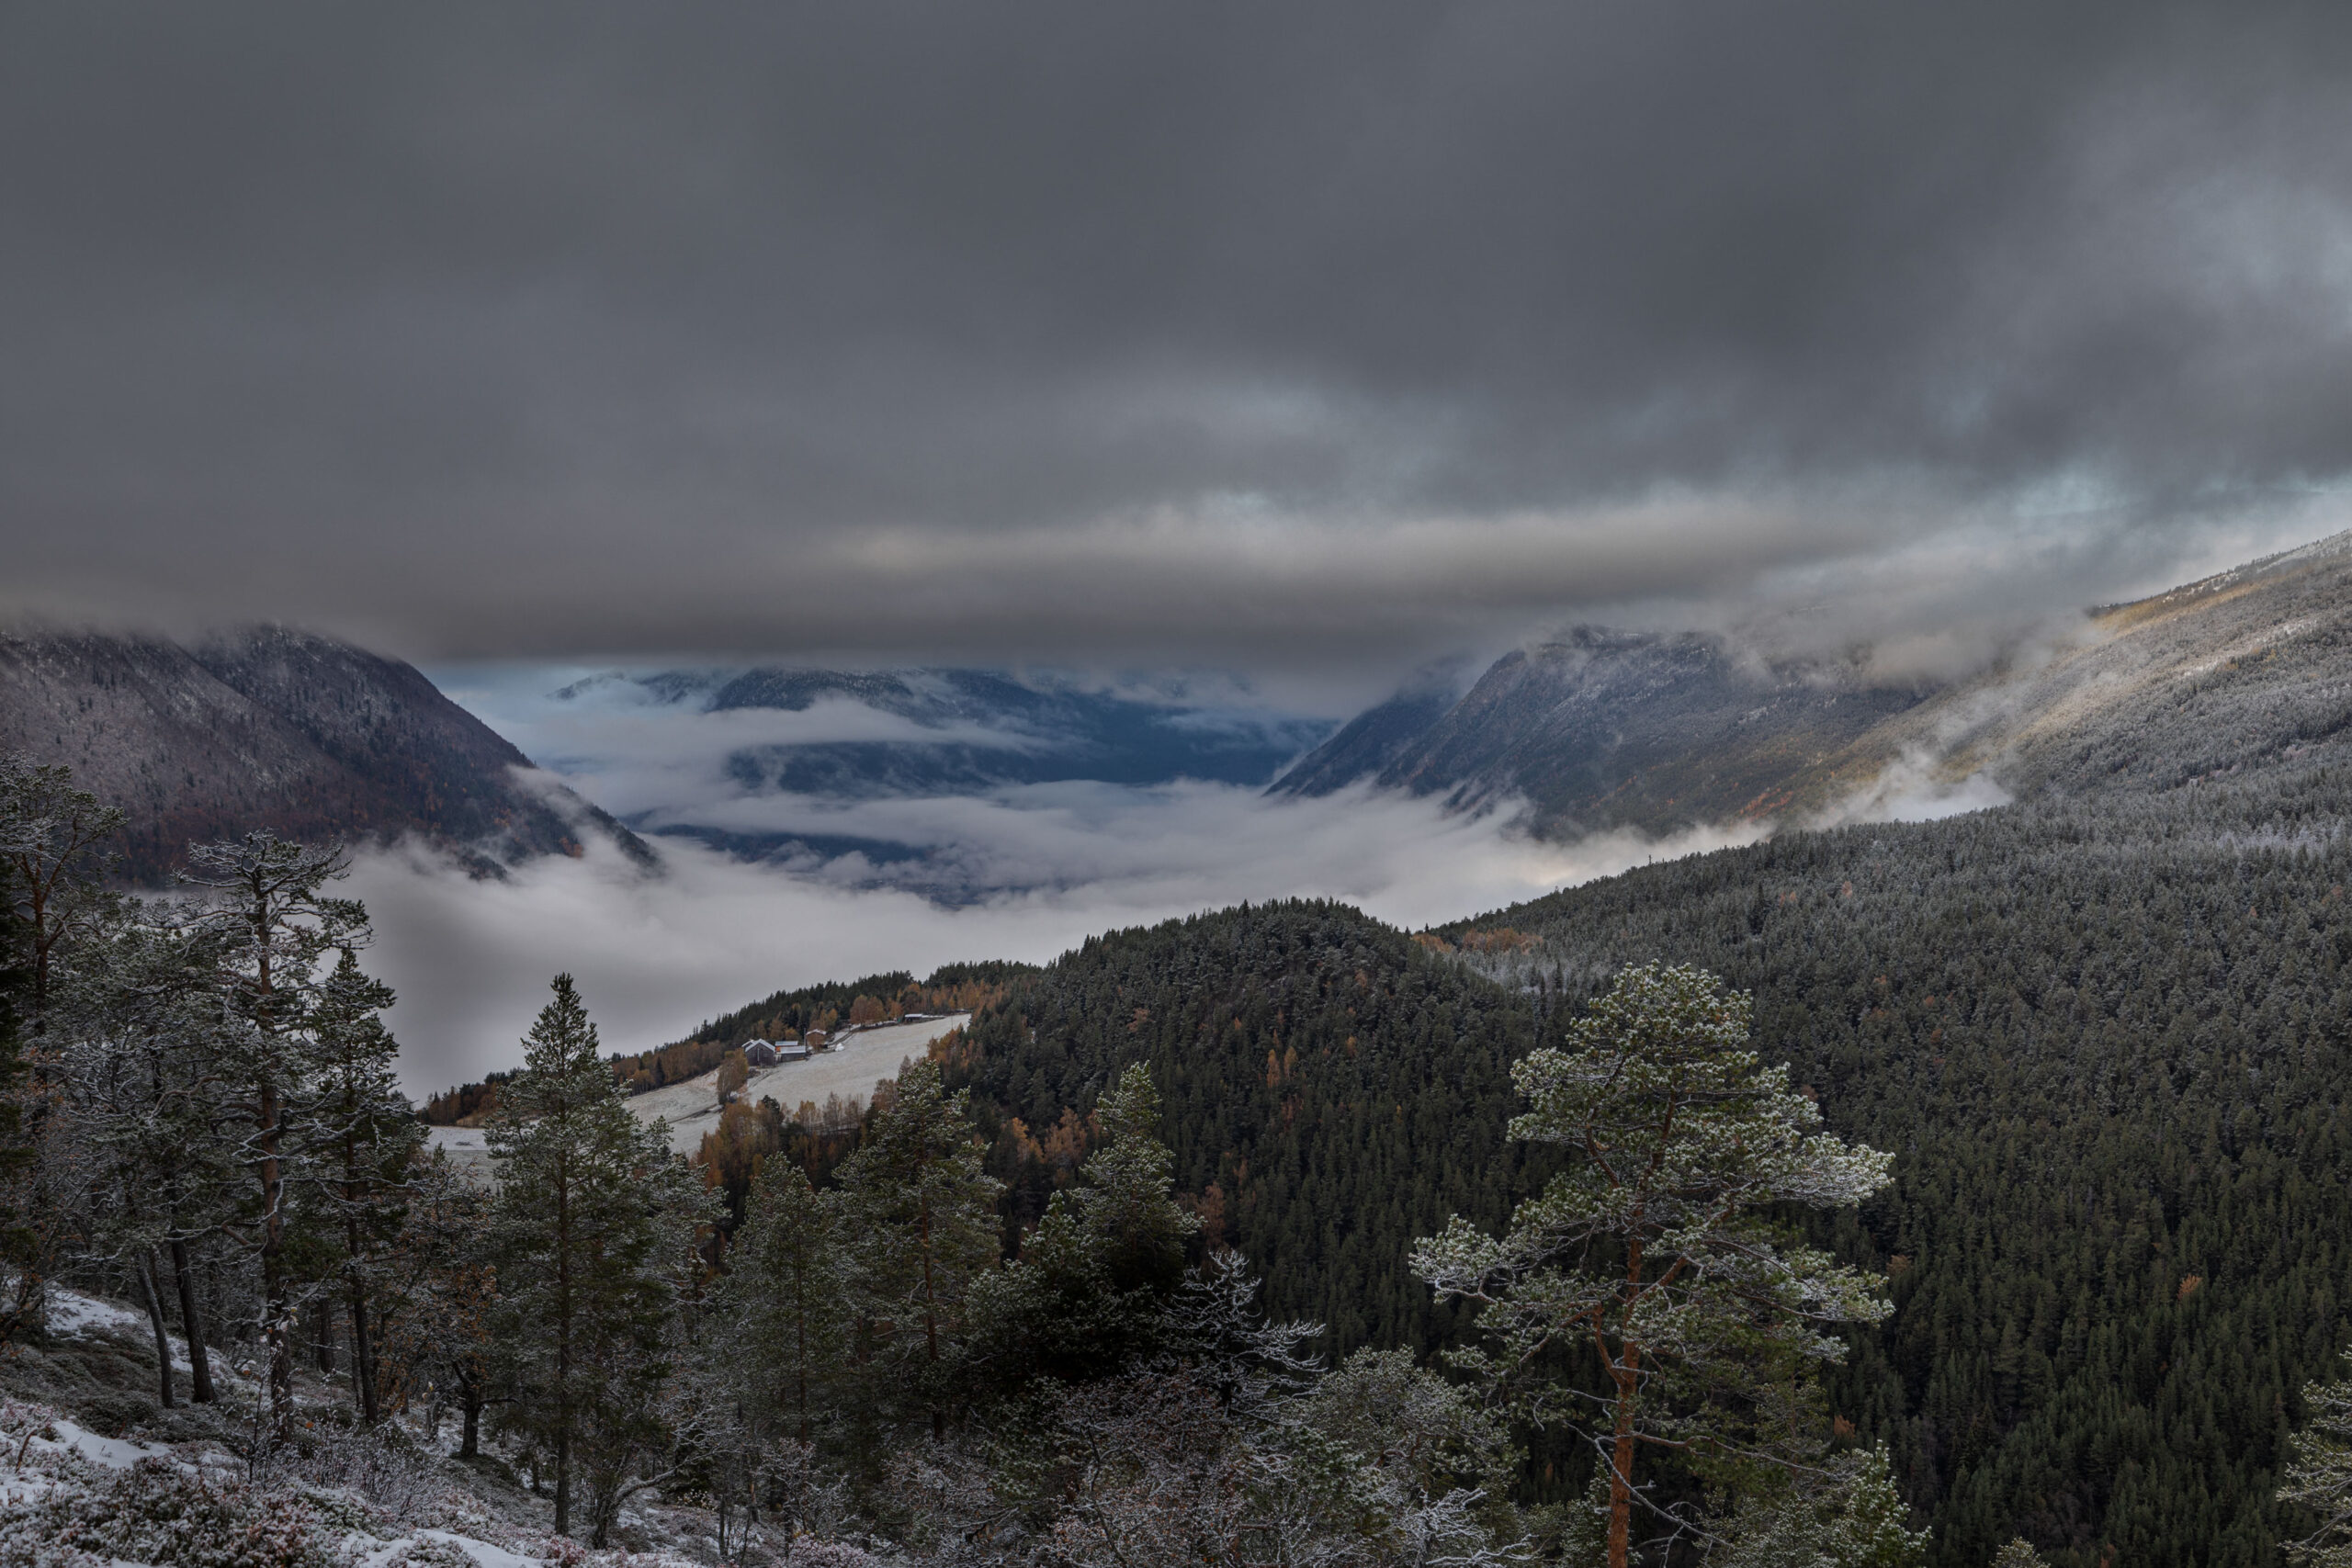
(2319, 1476)
(134, 1017)
(54, 841)
(433, 1331)
(1658, 1249)
(593, 1223)
(267, 923)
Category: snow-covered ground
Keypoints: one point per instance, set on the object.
(863, 1055)
(63, 1478)
(71, 1312)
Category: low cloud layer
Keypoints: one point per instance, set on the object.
(1229, 333)
(656, 956)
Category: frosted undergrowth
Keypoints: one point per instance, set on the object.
(73, 1498)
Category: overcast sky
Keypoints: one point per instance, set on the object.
(1245, 335)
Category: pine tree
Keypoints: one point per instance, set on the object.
(1657, 1247)
(769, 1358)
(785, 1300)
(433, 1330)
(594, 1223)
(134, 1017)
(361, 1137)
(52, 839)
(52, 859)
(266, 925)
(2319, 1475)
(921, 1215)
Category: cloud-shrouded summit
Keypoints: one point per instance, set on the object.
(1265, 332)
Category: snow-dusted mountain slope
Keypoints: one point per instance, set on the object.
(1602, 729)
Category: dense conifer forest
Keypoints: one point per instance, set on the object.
(1332, 1090)
(2106, 1039)
(2107, 1042)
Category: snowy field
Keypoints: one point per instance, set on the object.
(467, 1146)
(691, 1107)
(864, 1055)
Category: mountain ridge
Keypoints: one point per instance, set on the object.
(283, 729)
(1602, 729)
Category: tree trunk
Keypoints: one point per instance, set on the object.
(562, 1354)
(1620, 1465)
(199, 1362)
(363, 1358)
(1626, 1373)
(155, 1321)
(931, 1326)
(564, 1478)
(363, 1353)
(278, 1308)
(322, 1328)
(469, 1401)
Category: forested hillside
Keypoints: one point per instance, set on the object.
(1330, 1090)
(2108, 1046)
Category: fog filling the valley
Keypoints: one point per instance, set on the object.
(1020, 872)
(655, 956)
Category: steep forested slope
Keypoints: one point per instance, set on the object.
(1330, 1088)
(2250, 667)
(2109, 1044)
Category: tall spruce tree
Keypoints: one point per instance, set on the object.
(922, 1217)
(1659, 1250)
(592, 1222)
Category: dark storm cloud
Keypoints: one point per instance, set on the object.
(1242, 330)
